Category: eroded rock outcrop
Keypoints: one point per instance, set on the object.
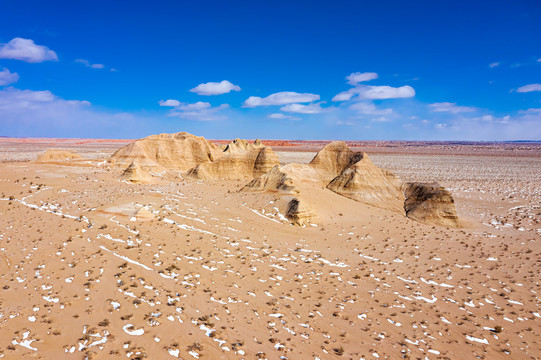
(240, 145)
(135, 174)
(275, 180)
(430, 203)
(365, 182)
(179, 152)
(353, 175)
(330, 161)
(52, 155)
(237, 165)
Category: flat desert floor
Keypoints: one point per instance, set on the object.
(209, 272)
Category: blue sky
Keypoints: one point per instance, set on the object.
(427, 70)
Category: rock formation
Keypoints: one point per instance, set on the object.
(58, 155)
(135, 174)
(286, 186)
(298, 212)
(430, 203)
(144, 214)
(240, 145)
(275, 180)
(179, 152)
(353, 175)
(330, 161)
(365, 182)
(241, 165)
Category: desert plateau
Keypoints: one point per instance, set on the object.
(173, 246)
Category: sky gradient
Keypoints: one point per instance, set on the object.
(391, 70)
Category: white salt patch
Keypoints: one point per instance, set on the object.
(137, 332)
(50, 299)
(173, 352)
(482, 341)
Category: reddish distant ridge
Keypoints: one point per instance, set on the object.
(470, 148)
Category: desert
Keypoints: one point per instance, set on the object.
(270, 180)
(159, 263)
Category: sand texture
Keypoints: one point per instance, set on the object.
(95, 266)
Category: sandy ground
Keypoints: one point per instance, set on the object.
(219, 274)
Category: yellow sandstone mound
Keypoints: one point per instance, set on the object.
(352, 175)
(237, 165)
(135, 174)
(275, 180)
(283, 181)
(144, 214)
(365, 182)
(299, 213)
(58, 155)
(240, 145)
(430, 203)
(330, 161)
(179, 152)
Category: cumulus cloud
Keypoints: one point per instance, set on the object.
(169, 102)
(450, 108)
(89, 65)
(344, 95)
(26, 50)
(303, 109)
(385, 92)
(41, 113)
(283, 116)
(529, 88)
(199, 111)
(531, 111)
(358, 77)
(215, 88)
(375, 93)
(280, 98)
(12, 98)
(494, 64)
(7, 77)
(368, 108)
(520, 126)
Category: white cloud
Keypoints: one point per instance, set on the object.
(303, 109)
(42, 113)
(450, 107)
(368, 108)
(385, 92)
(283, 116)
(7, 77)
(380, 119)
(12, 98)
(199, 111)
(26, 50)
(531, 111)
(169, 102)
(89, 65)
(494, 64)
(529, 88)
(375, 93)
(358, 77)
(280, 98)
(215, 88)
(344, 95)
